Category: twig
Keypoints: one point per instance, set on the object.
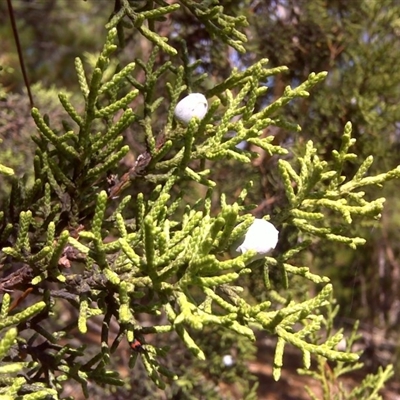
(19, 50)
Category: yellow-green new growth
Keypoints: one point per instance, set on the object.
(23, 315)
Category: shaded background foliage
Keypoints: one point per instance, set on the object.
(357, 42)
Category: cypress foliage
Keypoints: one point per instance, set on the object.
(131, 248)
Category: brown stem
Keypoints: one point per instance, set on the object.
(19, 50)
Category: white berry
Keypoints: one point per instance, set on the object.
(193, 105)
(261, 237)
(228, 360)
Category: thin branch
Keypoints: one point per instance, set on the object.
(19, 50)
